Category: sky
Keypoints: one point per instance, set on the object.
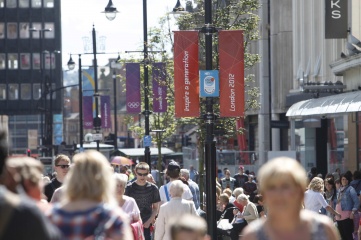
(124, 33)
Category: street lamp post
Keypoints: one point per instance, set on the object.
(97, 119)
(110, 13)
(115, 111)
(71, 66)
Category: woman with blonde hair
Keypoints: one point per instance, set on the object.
(314, 199)
(89, 208)
(282, 185)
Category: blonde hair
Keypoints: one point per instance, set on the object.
(121, 178)
(90, 178)
(224, 198)
(228, 192)
(316, 184)
(237, 191)
(142, 166)
(27, 168)
(60, 157)
(281, 167)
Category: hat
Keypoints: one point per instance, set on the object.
(173, 165)
(241, 167)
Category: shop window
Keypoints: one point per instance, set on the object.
(12, 32)
(36, 91)
(24, 3)
(13, 91)
(2, 30)
(36, 60)
(49, 34)
(25, 90)
(36, 3)
(25, 60)
(11, 3)
(2, 61)
(2, 91)
(36, 26)
(24, 30)
(13, 61)
(49, 3)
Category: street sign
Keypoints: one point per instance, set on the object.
(209, 83)
(97, 136)
(147, 141)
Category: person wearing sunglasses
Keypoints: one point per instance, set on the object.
(146, 196)
(62, 163)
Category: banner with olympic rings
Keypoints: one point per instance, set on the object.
(186, 74)
(88, 112)
(133, 87)
(105, 111)
(159, 87)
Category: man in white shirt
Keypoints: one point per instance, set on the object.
(173, 171)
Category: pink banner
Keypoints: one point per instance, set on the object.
(133, 87)
(159, 88)
(88, 112)
(105, 111)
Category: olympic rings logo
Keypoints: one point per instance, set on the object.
(88, 124)
(133, 104)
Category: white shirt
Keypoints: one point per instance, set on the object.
(187, 194)
(314, 201)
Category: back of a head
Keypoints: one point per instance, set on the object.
(316, 184)
(281, 167)
(186, 226)
(176, 188)
(28, 168)
(173, 170)
(89, 178)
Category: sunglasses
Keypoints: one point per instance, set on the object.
(142, 174)
(63, 166)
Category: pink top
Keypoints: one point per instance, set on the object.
(130, 207)
(344, 214)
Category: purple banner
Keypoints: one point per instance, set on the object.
(133, 87)
(105, 111)
(159, 88)
(88, 112)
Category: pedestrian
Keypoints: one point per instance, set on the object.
(236, 193)
(61, 165)
(250, 187)
(282, 183)
(193, 174)
(241, 177)
(146, 195)
(175, 208)
(314, 199)
(228, 181)
(88, 208)
(330, 196)
(20, 219)
(173, 172)
(193, 186)
(188, 227)
(347, 205)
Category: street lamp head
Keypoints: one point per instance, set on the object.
(110, 11)
(71, 64)
(178, 9)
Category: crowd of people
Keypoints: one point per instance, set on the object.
(87, 198)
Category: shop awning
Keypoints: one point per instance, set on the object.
(336, 104)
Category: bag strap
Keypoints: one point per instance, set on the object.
(166, 192)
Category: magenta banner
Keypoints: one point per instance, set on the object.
(133, 87)
(105, 111)
(88, 112)
(159, 88)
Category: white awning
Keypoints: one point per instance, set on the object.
(134, 152)
(336, 104)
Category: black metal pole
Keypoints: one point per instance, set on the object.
(146, 84)
(41, 33)
(50, 133)
(96, 94)
(210, 146)
(115, 111)
(81, 131)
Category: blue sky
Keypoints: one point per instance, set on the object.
(124, 33)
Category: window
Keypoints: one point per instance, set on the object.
(12, 32)
(2, 61)
(25, 60)
(49, 60)
(49, 3)
(36, 3)
(36, 91)
(2, 30)
(49, 34)
(24, 30)
(36, 60)
(11, 3)
(25, 91)
(13, 61)
(24, 3)
(2, 91)
(36, 26)
(13, 91)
